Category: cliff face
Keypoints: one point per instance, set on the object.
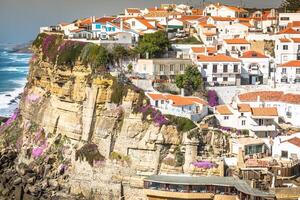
(74, 102)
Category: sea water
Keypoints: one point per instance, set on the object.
(13, 72)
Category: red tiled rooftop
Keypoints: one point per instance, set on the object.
(292, 63)
(288, 31)
(237, 41)
(253, 54)
(266, 111)
(295, 141)
(217, 58)
(223, 110)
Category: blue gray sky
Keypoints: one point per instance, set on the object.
(20, 19)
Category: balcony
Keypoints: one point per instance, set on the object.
(177, 195)
(256, 127)
(228, 72)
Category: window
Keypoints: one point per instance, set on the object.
(161, 67)
(297, 70)
(243, 122)
(204, 79)
(242, 114)
(225, 79)
(285, 47)
(209, 39)
(205, 66)
(243, 48)
(215, 79)
(215, 68)
(145, 67)
(225, 68)
(284, 18)
(283, 70)
(98, 26)
(226, 117)
(182, 67)
(133, 23)
(162, 102)
(284, 154)
(113, 29)
(235, 68)
(172, 68)
(284, 80)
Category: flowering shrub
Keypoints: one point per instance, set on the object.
(204, 164)
(156, 115)
(37, 152)
(213, 99)
(11, 120)
(38, 135)
(69, 52)
(49, 46)
(32, 98)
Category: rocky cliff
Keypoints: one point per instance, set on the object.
(91, 125)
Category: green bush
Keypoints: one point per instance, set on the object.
(179, 157)
(182, 124)
(37, 43)
(69, 52)
(95, 56)
(119, 90)
(189, 40)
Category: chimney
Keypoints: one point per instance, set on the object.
(121, 25)
(258, 98)
(182, 91)
(93, 19)
(147, 55)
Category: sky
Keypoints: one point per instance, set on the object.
(20, 19)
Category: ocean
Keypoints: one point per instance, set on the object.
(13, 72)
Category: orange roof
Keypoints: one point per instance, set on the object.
(103, 20)
(284, 40)
(292, 63)
(244, 108)
(265, 111)
(295, 141)
(294, 24)
(236, 9)
(223, 110)
(155, 9)
(288, 31)
(161, 14)
(296, 40)
(133, 10)
(197, 11)
(204, 49)
(275, 96)
(217, 58)
(217, 18)
(237, 41)
(206, 25)
(210, 34)
(253, 54)
(77, 30)
(191, 17)
(146, 23)
(177, 99)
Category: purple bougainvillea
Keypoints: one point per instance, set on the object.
(204, 164)
(46, 44)
(10, 120)
(156, 115)
(32, 98)
(38, 151)
(213, 99)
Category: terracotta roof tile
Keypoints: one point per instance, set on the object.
(133, 10)
(217, 58)
(284, 40)
(288, 31)
(266, 111)
(295, 141)
(296, 40)
(156, 96)
(217, 18)
(223, 110)
(237, 41)
(294, 24)
(203, 49)
(292, 63)
(253, 54)
(146, 23)
(244, 108)
(103, 20)
(263, 95)
(177, 99)
(236, 9)
(206, 25)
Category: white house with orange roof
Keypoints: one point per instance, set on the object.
(255, 68)
(140, 24)
(211, 10)
(287, 33)
(203, 50)
(260, 121)
(235, 47)
(208, 33)
(287, 49)
(286, 18)
(192, 108)
(67, 28)
(220, 69)
(135, 12)
(287, 147)
(288, 72)
(232, 11)
(294, 25)
(265, 20)
(287, 104)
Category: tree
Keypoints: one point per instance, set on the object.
(95, 56)
(191, 80)
(119, 54)
(154, 44)
(291, 5)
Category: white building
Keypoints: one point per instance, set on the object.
(192, 108)
(288, 72)
(265, 21)
(260, 121)
(224, 11)
(235, 47)
(255, 68)
(286, 18)
(287, 104)
(287, 49)
(140, 24)
(220, 69)
(135, 12)
(250, 146)
(287, 147)
(208, 33)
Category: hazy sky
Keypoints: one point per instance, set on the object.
(20, 19)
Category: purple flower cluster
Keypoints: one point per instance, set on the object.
(38, 135)
(204, 164)
(46, 44)
(32, 98)
(213, 99)
(156, 115)
(226, 129)
(10, 120)
(98, 163)
(38, 151)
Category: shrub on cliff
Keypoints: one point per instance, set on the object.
(95, 56)
(182, 124)
(69, 52)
